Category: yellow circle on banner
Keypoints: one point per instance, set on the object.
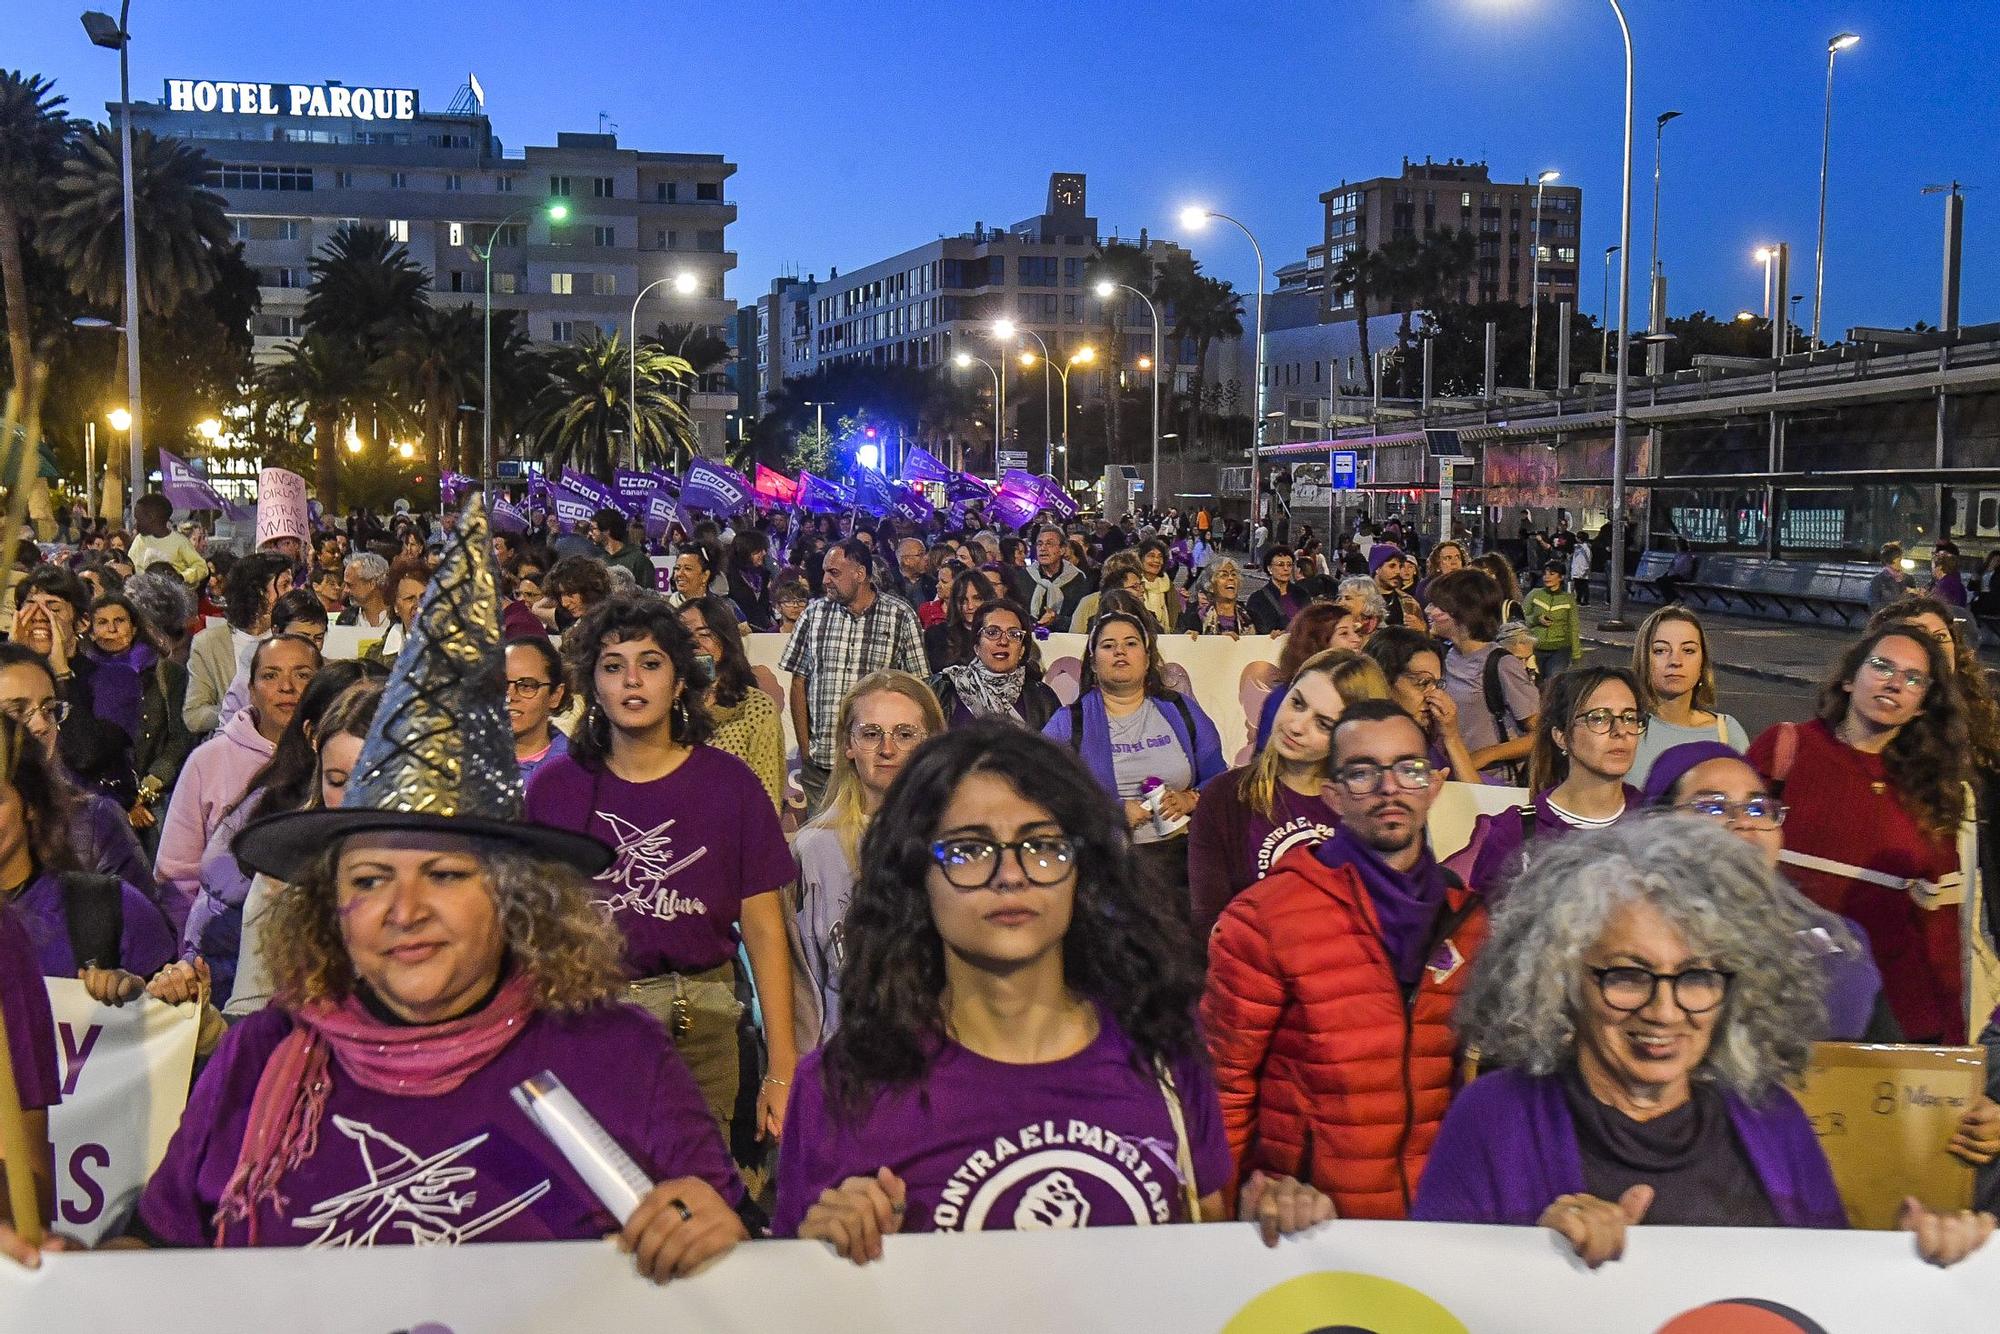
(1356, 1303)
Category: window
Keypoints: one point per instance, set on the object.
(669, 239)
(559, 187)
(343, 180)
(708, 240)
(560, 284)
(1465, 200)
(667, 192)
(462, 281)
(709, 192)
(563, 331)
(506, 284)
(398, 229)
(399, 180)
(503, 185)
(604, 284)
(442, 140)
(455, 233)
(288, 229)
(601, 187)
(240, 228)
(277, 326)
(454, 181)
(606, 236)
(1035, 270)
(250, 176)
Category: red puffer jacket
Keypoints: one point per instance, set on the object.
(1327, 1073)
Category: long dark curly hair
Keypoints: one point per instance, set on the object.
(616, 620)
(1982, 713)
(1931, 757)
(1124, 950)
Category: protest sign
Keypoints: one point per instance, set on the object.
(1347, 1275)
(281, 506)
(124, 1081)
(1884, 1115)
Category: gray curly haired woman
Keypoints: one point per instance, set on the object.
(1644, 992)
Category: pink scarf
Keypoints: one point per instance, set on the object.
(413, 1061)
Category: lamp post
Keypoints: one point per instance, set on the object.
(1604, 313)
(1105, 291)
(1764, 254)
(1083, 356)
(117, 36)
(1620, 425)
(1005, 330)
(1535, 279)
(964, 360)
(1656, 298)
(1194, 219)
(684, 284)
(1834, 46)
(557, 212)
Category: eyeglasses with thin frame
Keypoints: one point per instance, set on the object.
(1889, 671)
(1752, 812)
(1362, 778)
(1426, 684)
(872, 735)
(529, 686)
(971, 863)
(1629, 989)
(993, 634)
(54, 713)
(1600, 720)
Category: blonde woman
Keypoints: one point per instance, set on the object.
(1677, 690)
(882, 721)
(1254, 814)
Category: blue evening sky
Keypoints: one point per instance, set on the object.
(861, 129)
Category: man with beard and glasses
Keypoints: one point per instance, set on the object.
(1331, 983)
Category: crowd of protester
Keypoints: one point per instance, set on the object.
(1000, 923)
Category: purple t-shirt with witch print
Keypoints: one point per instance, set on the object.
(459, 1167)
(690, 848)
(984, 1146)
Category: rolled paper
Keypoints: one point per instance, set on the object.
(617, 1182)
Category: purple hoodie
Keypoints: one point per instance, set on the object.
(1508, 1148)
(216, 776)
(1204, 748)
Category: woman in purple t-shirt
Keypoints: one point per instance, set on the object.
(1017, 1048)
(698, 847)
(30, 1035)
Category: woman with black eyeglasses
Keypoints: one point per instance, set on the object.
(1017, 1048)
(537, 690)
(1645, 997)
(1876, 784)
(1004, 678)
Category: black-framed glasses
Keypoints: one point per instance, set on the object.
(1629, 990)
(971, 863)
(872, 736)
(1752, 812)
(54, 713)
(993, 634)
(1889, 671)
(1600, 720)
(529, 686)
(1362, 779)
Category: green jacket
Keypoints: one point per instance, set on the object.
(1552, 616)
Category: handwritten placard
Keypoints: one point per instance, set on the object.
(1884, 1115)
(281, 505)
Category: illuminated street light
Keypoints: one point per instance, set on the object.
(1027, 359)
(353, 440)
(210, 428)
(685, 283)
(120, 419)
(406, 450)
(1835, 45)
(556, 212)
(1083, 356)
(1003, 329)
(1535, 272)
(1194, 217)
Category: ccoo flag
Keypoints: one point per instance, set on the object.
(920, 465)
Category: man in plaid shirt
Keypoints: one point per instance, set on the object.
(841, 638)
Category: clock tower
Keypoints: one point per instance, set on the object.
(1066, 195)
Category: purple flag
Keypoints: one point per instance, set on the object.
(508, 518)
(872, 492)
(572, 509)
(817, 495)
(661, 511)
(920, 465)
(634, 490)
(912, 508)
(234, 512)
(587, 488)
(964, 486)
(1015, 508)
(453, 485)
(185, 488)
(715, 488)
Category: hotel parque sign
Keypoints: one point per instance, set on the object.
(331, 100)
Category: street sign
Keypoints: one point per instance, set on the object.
(1013, 458)
(1346, 469)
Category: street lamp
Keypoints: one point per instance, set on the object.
(1083, 356)
(556, 212)
(405, 450)
(964, 361)
(120, 419)
(1620, 427)
(1765, 254)
(353, 439)
(1005, 330)
(1194, 218)
(1834, 46)
(117, 36)
(685, 284)
(1535, 277)
(1656, 306)
(1604, 314)
(209, 428)
(1106, 289)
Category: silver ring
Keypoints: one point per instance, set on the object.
(687, 1214)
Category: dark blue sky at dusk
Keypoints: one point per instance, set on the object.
(860, 130)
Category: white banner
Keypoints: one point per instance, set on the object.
(1384, 1278)
(124, 1082)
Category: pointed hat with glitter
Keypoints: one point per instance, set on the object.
(440, 754)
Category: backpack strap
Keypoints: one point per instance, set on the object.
(94, 911)
(1495, 693)
(1076, 724)
(1187, 719)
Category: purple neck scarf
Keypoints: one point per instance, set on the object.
(1406, 904)
(119, 688)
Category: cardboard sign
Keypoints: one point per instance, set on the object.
(1884, 1115)
(281, 506)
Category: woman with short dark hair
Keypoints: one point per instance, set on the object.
(1003, 679)
(745, 718)
(1496, 697)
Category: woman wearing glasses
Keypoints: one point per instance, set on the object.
(882, 721)
(1004, 677)
(1876, 785)
(537, 690)
(697, 846)
(1646, 997)
(1017, 1048)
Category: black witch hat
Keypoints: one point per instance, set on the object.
(440, 755)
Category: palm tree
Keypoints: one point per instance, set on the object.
(1118, 262)
(364, 286)
(585, 400)
(1361, 274)
(434, 358)
(697, 345)
(32, 132)
(1208, 310)
(327, 381)
(184, 229)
